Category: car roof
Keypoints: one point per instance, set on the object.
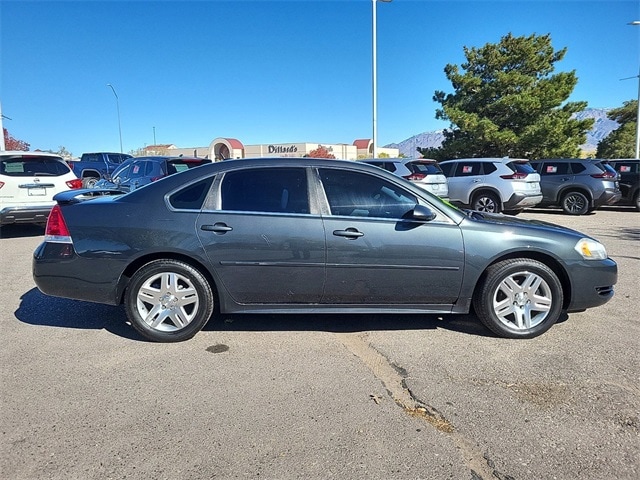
(397, 160)
(568, 160)
(487, 159)
(24, 153)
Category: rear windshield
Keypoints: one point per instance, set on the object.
(609, 168)
(33, 166)
(424, 167)
(521, 167)
(177, 166)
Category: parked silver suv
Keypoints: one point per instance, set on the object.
(493, 185)
(577, 185)
(424, 172)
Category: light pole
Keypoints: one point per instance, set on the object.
(118, 108)
(637, 23)
(375, 80)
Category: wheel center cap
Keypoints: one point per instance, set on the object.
(168, 300)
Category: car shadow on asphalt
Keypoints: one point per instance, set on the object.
(19, 230)
(39, 309)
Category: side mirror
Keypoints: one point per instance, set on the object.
(422, 213)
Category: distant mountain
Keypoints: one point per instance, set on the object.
(601, 128)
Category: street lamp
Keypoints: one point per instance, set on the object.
(637, 23)
(118, 108)
(375, 81)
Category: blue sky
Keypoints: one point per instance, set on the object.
(268, 71)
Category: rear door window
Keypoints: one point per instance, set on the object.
(191, 197)
(447, 168)
(577, 167)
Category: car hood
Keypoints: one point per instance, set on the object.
(509, 220)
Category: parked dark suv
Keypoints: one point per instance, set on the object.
(629, 177)
(577, 185)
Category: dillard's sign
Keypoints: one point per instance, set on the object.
(282, 149)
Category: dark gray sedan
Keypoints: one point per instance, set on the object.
(310, 235)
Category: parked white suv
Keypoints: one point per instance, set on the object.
(494, 185)
(28, 182)
(424, 172)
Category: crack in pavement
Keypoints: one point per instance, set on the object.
(393, 378)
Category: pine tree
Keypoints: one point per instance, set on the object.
(508, 102)
(621, 142)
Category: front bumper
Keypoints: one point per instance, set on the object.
(592, 283)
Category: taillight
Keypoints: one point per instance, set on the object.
(515, 176)
(75, 183)
(56, 230)
(1, 184)
(605, 175)
(415, 176)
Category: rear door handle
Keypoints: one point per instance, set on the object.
(217, 228)
(350, 233)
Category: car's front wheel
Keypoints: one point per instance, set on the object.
(168, 301)
(519, 298)
(575, 203)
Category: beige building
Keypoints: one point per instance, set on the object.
(224, 148)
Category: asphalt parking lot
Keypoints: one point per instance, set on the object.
(320, 397)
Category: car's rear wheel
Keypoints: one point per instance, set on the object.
(519, 298)
(575, 203)
(89, 182)
(486, 202)
(168, 301)
(636, 201)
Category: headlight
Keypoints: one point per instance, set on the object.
(590, 249)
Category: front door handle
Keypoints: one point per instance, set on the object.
(217, 228)
(350, 233)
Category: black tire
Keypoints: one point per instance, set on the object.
(519, 298)
(168, 301)
(89, 182)
(486, 202)
(575, 203)
(636, 201)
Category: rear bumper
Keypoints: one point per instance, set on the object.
(59, 271)
(35, 214)
(520, 201)
(608, 197)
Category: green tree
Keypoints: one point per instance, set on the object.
(507, 102)
(621, 142)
